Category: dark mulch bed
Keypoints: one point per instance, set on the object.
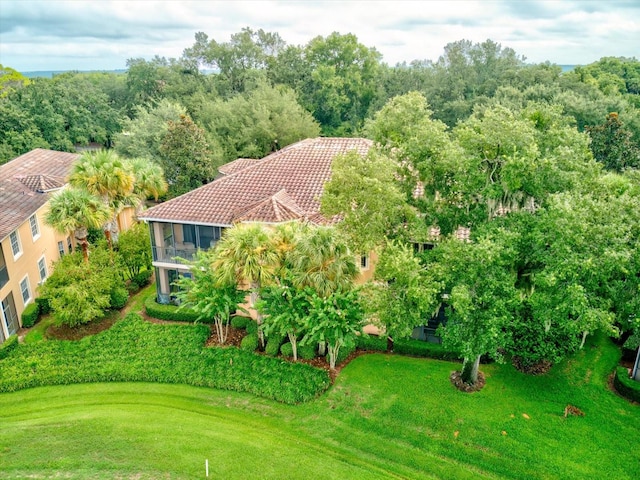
(457, 382)
(65, 332)
(538, 368)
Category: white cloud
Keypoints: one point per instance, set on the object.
(103, 34)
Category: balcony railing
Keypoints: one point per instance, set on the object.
(176, 255)
(4, 276)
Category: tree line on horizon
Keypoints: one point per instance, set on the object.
(267, 94)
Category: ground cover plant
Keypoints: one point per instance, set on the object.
(134, 350)
(387, 416)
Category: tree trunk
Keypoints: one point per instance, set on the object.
(253, 298)
(322, 348)
(389, 344)
(469, 373)
(294, 345)
(84, 245)
(333, 355)
(584, 338)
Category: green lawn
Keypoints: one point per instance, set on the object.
(385, 417)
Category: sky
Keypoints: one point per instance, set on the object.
(103, 34)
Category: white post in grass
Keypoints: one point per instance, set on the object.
(206, 467)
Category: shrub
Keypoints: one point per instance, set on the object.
(168, 312)
(250, 342)
(306, 352)
(30, 315)
(420, 348)
(371, 343)
(142, 279)
(627, 387)
(9, 345)
(286, 350)
(44, 306)
(119, 297)
(252, 326)
(273, 345)
(240, 321)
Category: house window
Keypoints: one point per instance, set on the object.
(61, 248)
(9, 315)
(364, 262)
(35, 229)
(15, 244)
(42, 268)
(69, 244)
(25, 290)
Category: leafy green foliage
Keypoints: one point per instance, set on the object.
(80, 292)
(30, 315)
(207, 296)
(363, 191)
(249, 343)
(626, 386)
(169, 312)
(186, 157)
(134, 247)
(137, 351)
(612, 145)
(336, 320)
(8, 346)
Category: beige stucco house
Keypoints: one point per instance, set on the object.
(283, 187)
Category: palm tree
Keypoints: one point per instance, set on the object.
(246, 254)
(149, 180)
(75, 210)
(109, 178)
(321, 261)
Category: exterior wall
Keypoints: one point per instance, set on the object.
(25, 265)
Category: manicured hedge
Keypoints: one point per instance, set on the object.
(250, 342)
(419, 348)
(137, 351)
(30, 315)
(409, 346)
(626, 386)
(169, 312)
(240, 321)
(371, 343)
(9, 345)
(273, 345)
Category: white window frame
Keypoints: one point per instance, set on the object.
(364, 262)
(35, 228)
(28, 285)
(15, 236)
(42, 265)
(61, 251)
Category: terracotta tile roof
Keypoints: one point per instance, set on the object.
(278, 208)
(237, 165)
(21, 180)
(286, 184)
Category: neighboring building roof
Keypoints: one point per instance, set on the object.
(283, 186)
(24, 182)
(237, 165)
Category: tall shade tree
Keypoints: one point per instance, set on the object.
(75, 210)
(108, 177)
(363, 191)
(246, 253)
(613, 146)
(402, 296)
(481, 299)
